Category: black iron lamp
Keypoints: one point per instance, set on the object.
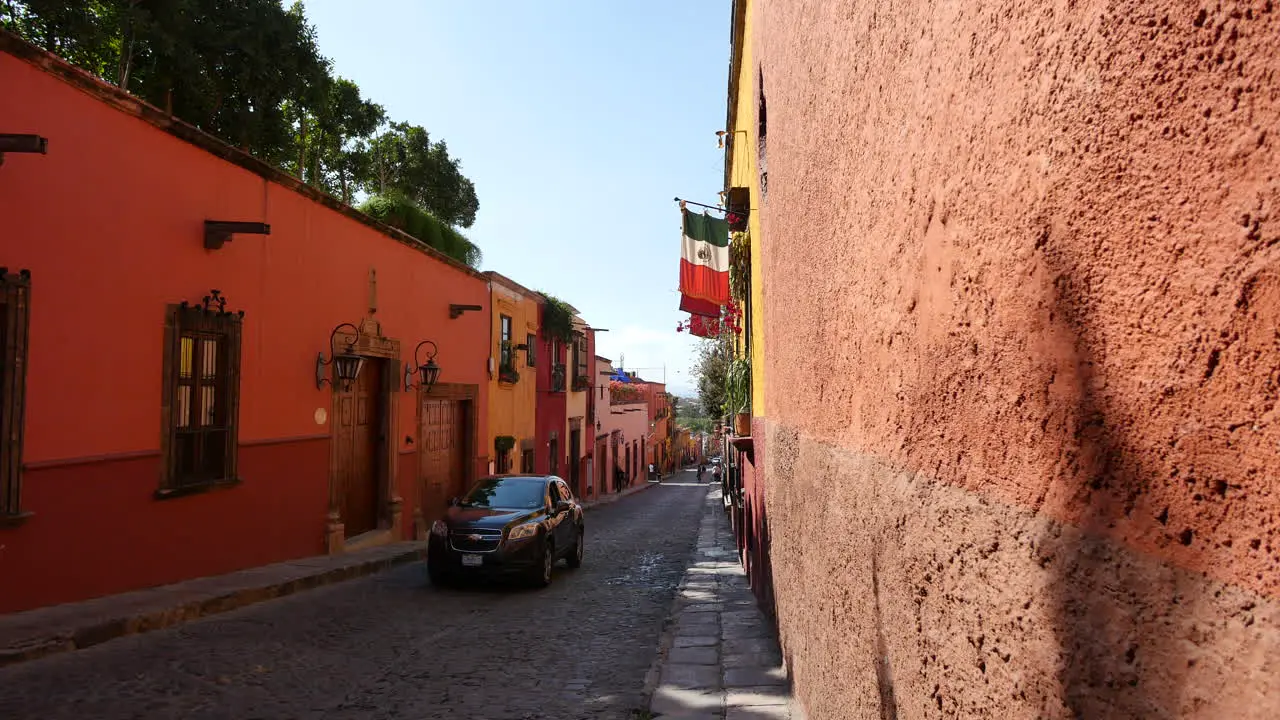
(428, 372)
(346, 364)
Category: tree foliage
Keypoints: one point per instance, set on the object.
(250, 72)
(711, 369)
(557, 318)
(404, 160)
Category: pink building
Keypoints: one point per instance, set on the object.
(623, 425)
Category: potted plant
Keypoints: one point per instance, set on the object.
(738, 395)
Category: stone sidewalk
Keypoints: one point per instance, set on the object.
(722, 660)
(73, 626)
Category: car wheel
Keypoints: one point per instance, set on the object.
(575, 560)
(542, 574)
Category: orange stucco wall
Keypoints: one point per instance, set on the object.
(110, 224)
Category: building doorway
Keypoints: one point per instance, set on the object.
(602, 464)
(575, 451)
(360, 435)
(555, 457)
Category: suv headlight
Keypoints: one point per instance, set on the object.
(521, 532)
(439, 528)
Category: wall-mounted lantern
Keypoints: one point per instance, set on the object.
(346, 364)
(428, 372)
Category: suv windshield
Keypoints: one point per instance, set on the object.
(509, 493)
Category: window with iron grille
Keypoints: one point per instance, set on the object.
(531, 353)
(202, 395)
(507, 359)
(580, 357)
(15, 312)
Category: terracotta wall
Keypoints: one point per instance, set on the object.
(110, 224)
(1021, 288)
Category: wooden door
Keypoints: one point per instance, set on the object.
(359, 434)
(575, 459)
(442, 466)
(602, 467)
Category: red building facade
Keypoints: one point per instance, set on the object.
(551, 413)
(158, 441)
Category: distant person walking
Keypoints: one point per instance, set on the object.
(653, 475)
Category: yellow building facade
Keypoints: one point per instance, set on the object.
(746, 124)
(513, 360)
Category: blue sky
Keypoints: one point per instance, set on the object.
(578, 122)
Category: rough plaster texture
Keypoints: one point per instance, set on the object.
(1022, 292)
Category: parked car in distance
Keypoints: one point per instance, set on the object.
(507, 525)
(715, 460)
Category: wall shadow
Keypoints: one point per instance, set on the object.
(1115, 612)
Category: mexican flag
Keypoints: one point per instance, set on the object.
(704, 258)
(694, 306)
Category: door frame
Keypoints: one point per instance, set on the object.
(374, 347)
(445, 391)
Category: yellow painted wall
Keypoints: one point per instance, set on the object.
(512, 406)
(744, 173)
(576, 404)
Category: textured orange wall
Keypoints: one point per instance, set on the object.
(1022, 285)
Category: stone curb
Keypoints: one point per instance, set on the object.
(48, 631)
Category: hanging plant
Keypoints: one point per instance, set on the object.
(740, 266)
(737, 387)
(557, 319)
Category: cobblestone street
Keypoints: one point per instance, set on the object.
(390, 646)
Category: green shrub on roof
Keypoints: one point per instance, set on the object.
(402, 214)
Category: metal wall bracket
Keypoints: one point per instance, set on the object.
(218, 232)
(17, 143)
(456, 310)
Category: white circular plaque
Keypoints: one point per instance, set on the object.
(321, 416)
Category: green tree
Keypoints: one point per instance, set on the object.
(711, 369)
(225, 67)
(330, 146)
(406, 162)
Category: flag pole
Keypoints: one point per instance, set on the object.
(709, 207)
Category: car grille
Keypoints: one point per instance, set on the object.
(475, 540)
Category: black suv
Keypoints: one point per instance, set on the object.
(507, 524)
